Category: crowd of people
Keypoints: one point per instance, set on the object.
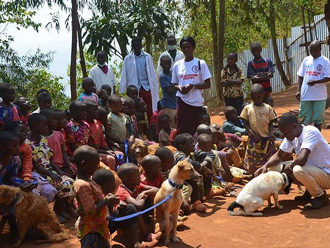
(80, 159)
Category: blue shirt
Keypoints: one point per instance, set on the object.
(169, 100)
(141, 71)
(229, 127)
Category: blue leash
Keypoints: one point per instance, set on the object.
(143, 211)
(220, 178)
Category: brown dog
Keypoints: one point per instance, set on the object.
(183, 170)
(32, 211)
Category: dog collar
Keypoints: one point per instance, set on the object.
(12, 204)
(174, 185)
(284, 179)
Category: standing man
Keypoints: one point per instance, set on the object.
(313, 73)
(138, 70)
(172, 52)
(102, 73)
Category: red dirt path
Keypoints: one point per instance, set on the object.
(290, 227)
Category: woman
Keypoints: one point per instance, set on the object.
(190, 76)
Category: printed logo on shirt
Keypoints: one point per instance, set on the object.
(188, 76)
(319, 67)
(194, 68)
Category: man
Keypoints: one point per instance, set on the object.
(172, 52)
(102, 73)
(312, 165)
(138, 69)
(313, 73)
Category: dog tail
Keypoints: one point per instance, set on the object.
(234, 205)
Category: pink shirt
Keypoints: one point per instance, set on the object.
(55, 141)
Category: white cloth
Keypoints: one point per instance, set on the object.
(179, 55)
(310, 139)
(100, 78)
(129, 77)
(185, 73)
(314, 69)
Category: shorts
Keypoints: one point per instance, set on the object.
(313, 110)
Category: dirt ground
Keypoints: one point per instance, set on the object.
(290, 227)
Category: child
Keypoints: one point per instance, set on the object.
(132, 92)
(96, 138)
(103, 97)
(231, 79)
(89, 88)
(204, 118)
(77, 130)
(233, 124)
(8, 111)
(61, 120)
(167, 158)
(170, 100)
(24, 106)
(152, 166)
(92, 205)
(131, 191)
(107, 89)
(260, 70)
(258, 120)
(103, 116)
(44, 100)
(164, 134)
(141, 117)
(129, 110)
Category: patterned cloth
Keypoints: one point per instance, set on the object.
(92, 96)
(41, 152)
(96, 138)
(232, 91)
(8, 173)
(8, 114)
(77, 133)
(88, 195)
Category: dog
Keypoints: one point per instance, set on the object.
(166, 215)
(32, 211)
(260, 188)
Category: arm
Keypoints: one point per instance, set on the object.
(43, 171)
(205, 85)
(321, 81)
(301, 159)
(262, 77)
(171, 89)
(234, 82)
(150, 190)
(250, 131)
(138, 202)
(300, 80)
(271, 128)
(274, 160)
(65, 157)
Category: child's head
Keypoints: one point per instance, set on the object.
(9, 143)
(78, 110)
(92, 110)
(184, 142)
(166, 156)
(7, 93)
(107, 88)
(101, 57)
(257, 94)
(23, 104)
(204, 118)
(217, 132)
(61, 119)
(87, 159)
(205, 142)
(52, 119)
(103, 115)
(256, 49)
(132, 91)
(44, 100)
(315, 49)
(88, 85)
(202, 128)
(166, 63)
(129, 174)
(165, 122)
(136, 45)
(270, 101)
(38, 124)
(128, 106)
(106, 180)
(17, 127)
(102, 94)
(152, 165)
(115, 104)
(140, 105)
(232, 59)
(231, 114)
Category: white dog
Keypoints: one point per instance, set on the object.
(259, 189)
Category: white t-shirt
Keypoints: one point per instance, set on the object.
(185, 73)
(100, 78)
(314, 69)
(310, 139)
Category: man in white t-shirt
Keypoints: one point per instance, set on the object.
(313, 73)
(102, 73)
(312, 165)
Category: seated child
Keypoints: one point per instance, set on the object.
(167, 160)
(61, 120)
(225, 140)
(233, 124)
(89, 89)
(130, 227)
(92, 205)
(8, 111)
(24, 107)
(152, 176)
(164, 134)
(129, 110)
(44, 100)
(258, 120)
(132, 92)
(103, 98)
(141, 117)
(107, 88)
(77, 131)
(131, 191)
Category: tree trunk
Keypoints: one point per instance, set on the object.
(222, 19)
(73, 71)
(215, 43)
(81, 51)
(276, 54)
(148, 44)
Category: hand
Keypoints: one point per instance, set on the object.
(256, 137)
(111, 153)
(131, 139)
(261, 170)
(112, 199)
(207, 171)
(186, 89)
(56, 178)
(312, 82)
(141, 196)
(116, 145)
(298, 95)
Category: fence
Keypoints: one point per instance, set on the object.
(296, 54)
